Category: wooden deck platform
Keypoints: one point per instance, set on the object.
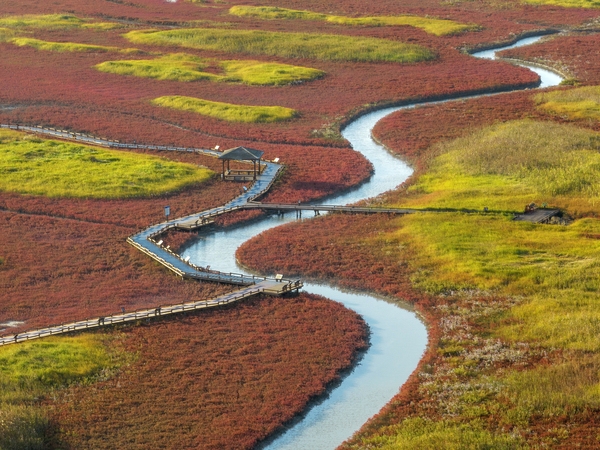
(273, 287)
(538, 215)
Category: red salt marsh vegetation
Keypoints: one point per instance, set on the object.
(486, 379)
(220, 379)
(410, 133)
(58, 270)
(577, 55)
(53, 268)
(348, 87)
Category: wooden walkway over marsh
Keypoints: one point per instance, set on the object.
(145, 242)
(148, 242)
(271, 287)
(284, 207)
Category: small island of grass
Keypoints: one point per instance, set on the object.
(227, 111)
(187, 68)
(438, 27)
(286, 45)
(39, 44)
(54, 21)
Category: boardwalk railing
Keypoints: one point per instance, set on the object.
(131, 316)
(200, 273)
(104, 142)
(154, 256)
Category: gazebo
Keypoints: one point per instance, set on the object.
(241, 154)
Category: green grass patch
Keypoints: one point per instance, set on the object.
(287, 45)
(68, 46)
(508, 165)
(176, 67)
(555, 391)
(29, 165)
(227, 111)
(493, 252)
(268, 73)
(438, 27)
(427, 434)
(579, 103)
(567, 3)
(554, 269)
(6, 34)
(53, 361)
(561, 318)
(54, 21)
(186, 68)
(30, 371)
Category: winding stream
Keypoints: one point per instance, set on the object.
(398, 337)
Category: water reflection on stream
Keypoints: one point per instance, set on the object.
(398, 337)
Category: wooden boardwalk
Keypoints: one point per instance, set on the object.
(263, 287)
(146, 241)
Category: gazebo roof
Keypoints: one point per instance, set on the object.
(242, 154)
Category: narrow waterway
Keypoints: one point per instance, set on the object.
(398, 337)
